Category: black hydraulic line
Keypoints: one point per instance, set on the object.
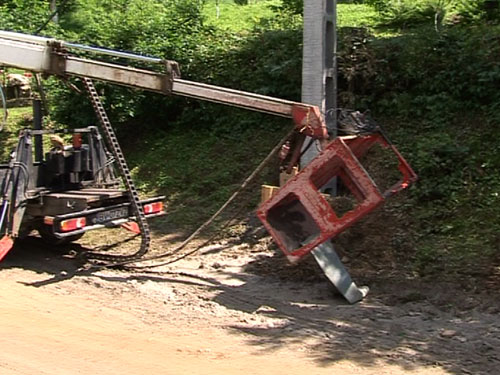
(37, 125)
(136, 206)
(41, 91)
(4, 105)
(50, 18)
(181, 246)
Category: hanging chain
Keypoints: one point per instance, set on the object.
(110, 136)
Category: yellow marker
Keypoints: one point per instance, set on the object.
(57, 142)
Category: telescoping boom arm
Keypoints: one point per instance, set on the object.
(50, 56)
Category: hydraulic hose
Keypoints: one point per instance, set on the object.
(4, 106)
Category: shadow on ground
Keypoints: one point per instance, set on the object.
(35, 255)
(408, 323)
(402, 322)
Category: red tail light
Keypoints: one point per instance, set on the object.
(73, 224)
(77, 141)
(153, 208)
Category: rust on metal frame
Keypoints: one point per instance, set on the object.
(309, 121)
(299, 217)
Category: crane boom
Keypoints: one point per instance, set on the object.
(50, 56)
(299, 216)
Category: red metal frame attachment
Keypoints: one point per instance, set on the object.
(299, 217)
(308, 121)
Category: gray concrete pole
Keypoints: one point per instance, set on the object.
(319, 83)
(319, 87)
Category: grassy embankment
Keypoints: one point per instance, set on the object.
(449, 222)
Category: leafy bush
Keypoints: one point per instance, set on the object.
(25, 16)
(404, 13)
(292, 6)
(266, 62)
(169, 29)
(228, 15)
(426, 74)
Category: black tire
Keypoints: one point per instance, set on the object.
(48, 236)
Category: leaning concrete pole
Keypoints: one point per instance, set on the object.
(319, 63)
(319, 87)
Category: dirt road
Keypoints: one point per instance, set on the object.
(216, 315)
(43, 333)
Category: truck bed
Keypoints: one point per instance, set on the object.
(57, 203)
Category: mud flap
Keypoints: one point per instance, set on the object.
(334, 269)
(132, 226)
(6, 244)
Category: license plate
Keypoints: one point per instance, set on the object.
(104, 217)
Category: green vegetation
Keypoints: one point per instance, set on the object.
(200, 168)
(429, 70)
(356, 15)
(236, 17)
(404, 13)
(17, 119)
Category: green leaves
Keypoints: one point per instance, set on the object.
(26, 16)
(404, 13)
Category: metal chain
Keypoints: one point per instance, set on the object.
(112, 140)
(184, 243)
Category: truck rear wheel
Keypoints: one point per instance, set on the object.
(48, 236)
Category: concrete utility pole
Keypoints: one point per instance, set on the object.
(319, 70)
(319, 87)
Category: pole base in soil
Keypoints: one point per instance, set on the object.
(336, 272)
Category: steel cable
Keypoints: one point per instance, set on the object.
(202, 227)
(4, 106)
